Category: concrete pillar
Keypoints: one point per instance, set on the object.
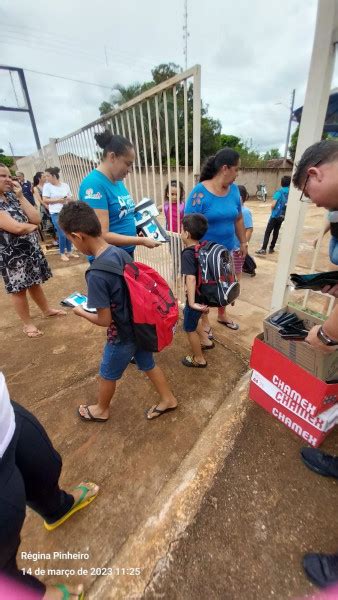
(311, 128)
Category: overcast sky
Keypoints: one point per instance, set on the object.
(252, 55)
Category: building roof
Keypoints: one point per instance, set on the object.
(331, 119)
(277, 163)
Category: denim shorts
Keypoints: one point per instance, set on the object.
(190, 319)
(116, 358)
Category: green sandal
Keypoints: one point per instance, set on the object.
(81, 503)
(66, 594)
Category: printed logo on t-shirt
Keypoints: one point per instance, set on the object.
(89, 195)
(127, 205)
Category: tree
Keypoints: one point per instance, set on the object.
(270, 154)
(210, 128)
(6, 160)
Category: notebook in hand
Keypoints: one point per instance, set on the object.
(77, 299)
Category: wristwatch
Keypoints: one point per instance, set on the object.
(325, 339)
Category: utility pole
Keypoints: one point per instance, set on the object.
(289, 127)
(28, 108)
(185, 34)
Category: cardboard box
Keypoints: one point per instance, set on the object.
(310, 393)
(312, 430)
(305, 404)
(322, 366)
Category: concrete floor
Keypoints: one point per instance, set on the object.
(145, 469)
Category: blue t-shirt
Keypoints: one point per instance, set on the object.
(221, 212)
(247, 220)
(281, 197)
(101, 193)
(109, 290)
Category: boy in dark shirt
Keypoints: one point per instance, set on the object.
(194, 227)
(107, 293)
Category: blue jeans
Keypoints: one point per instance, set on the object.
(116, 358)
(333, 250)
(64, 244)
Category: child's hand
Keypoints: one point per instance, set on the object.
(201, 307)
(80, 312)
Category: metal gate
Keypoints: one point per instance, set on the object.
(164, 125)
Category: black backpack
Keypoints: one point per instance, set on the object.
(216, 280)
(249, 265)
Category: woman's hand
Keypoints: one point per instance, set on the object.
(17, 190)
(243, 249)
(79, 311)
(149, 242)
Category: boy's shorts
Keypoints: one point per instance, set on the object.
(116, 358)
(190, 319)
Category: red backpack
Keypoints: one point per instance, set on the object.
(153, 306)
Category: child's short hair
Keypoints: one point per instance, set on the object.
(243, 192)
(286, 181)
(195, 224)
(79, 217)
(174, 183)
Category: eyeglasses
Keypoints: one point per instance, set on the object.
(303, 198)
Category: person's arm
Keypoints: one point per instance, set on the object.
(7, 223)
(248, 234)
(37, 198)
(60, 200)
(190, 281)
(240, 232)
(326, 229)
(30, 211)
(330, 328)
(103, 317)
(117, 239)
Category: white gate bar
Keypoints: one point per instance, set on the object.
(138, 153)
(134, 166)
(186, 148)
(150, 129)
(159, 146)
(144, 149)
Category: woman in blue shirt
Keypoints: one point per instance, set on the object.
(218, 199)
(103, 189)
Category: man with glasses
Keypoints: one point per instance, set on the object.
(317, 176)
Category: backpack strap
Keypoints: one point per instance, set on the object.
(108, 266)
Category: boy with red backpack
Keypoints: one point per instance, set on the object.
(210, 281)
(132, 301)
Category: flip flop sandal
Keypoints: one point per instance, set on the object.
(229, 324)
(189, 361)
(66, 594)
(81, 503)
(209, 333)
(208, 346)
(90, 417)
(158, 411)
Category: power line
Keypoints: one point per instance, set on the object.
(108, 87)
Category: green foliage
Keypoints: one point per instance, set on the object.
(164, 71)
(6, 160)
(293, 144)
(273, 153)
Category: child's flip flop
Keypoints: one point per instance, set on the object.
(90, 416)
(189, 361)
(66, 594)
(158, 412)
(81, 503)
(208, 346)
(229, 324)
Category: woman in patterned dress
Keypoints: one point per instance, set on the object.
(22, 263)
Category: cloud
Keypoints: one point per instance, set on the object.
(252, 56)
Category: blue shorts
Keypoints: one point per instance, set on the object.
(190, 319)
(116, 358)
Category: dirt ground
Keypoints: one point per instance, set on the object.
(263, 510)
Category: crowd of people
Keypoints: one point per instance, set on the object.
(101, 224)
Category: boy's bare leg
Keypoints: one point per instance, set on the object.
(195, 344)
(203, 334)
(101, 409)
(160, 383)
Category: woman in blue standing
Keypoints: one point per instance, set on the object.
(104, 190)
(218, 199)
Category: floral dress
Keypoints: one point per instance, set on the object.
(22, 263)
